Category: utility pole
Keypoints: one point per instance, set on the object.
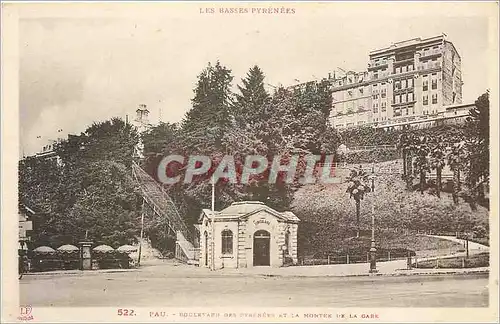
(212, 243)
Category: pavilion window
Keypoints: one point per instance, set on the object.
(287, 242)
(227, 242)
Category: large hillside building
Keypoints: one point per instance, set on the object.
(407, 82)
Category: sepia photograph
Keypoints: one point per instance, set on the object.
(249, 161)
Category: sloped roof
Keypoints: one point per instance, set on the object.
(243, 209)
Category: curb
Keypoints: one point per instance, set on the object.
(269, 275)
(78, 272)
(393, 274)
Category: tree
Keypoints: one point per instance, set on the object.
(437, 162)
(479, 148)
(455, 159)
(421, 162)
(357, 188)
(211, 116)
(250, 104)
(406, 142)
(91, 190)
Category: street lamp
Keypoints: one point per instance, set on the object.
(212, 241)
(373, 249)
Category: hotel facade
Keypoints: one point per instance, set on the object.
(408, 82)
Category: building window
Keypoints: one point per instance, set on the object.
(397, 99)
(227, 242)
(397, 85)
(410, 97)
(287, 242)
(375, 75)
(434, 85)
(410, 83)
(375, 108)
(426, 100)
(434, 99)
(383, 93)
(410, 68)
(425, 85)
(383, 106)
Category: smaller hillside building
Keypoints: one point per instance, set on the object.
(247, 234)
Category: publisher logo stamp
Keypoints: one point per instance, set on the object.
(25, 313)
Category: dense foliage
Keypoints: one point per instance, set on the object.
(254, 122)
(89, 193)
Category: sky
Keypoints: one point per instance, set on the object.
(82, 63)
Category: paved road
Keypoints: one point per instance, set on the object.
(155, 287)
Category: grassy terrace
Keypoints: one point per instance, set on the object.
(474, 261)
(357, 248)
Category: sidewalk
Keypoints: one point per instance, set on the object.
(173, 268)
(391, 268)
(78, 272)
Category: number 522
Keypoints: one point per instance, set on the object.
(126, 312)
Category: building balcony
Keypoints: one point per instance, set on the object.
(430, 54)
(404, 61)
(407, 103)
(404, 90)
(372, 67)
(430, 66)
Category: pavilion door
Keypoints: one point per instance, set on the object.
(261, 248)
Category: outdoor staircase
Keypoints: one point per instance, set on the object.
(162, 205)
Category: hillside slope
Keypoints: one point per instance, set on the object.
(328, 214)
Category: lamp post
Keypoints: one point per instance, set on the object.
(212, 241)
(373, 249)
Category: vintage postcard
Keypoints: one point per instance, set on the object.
(249, 162)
